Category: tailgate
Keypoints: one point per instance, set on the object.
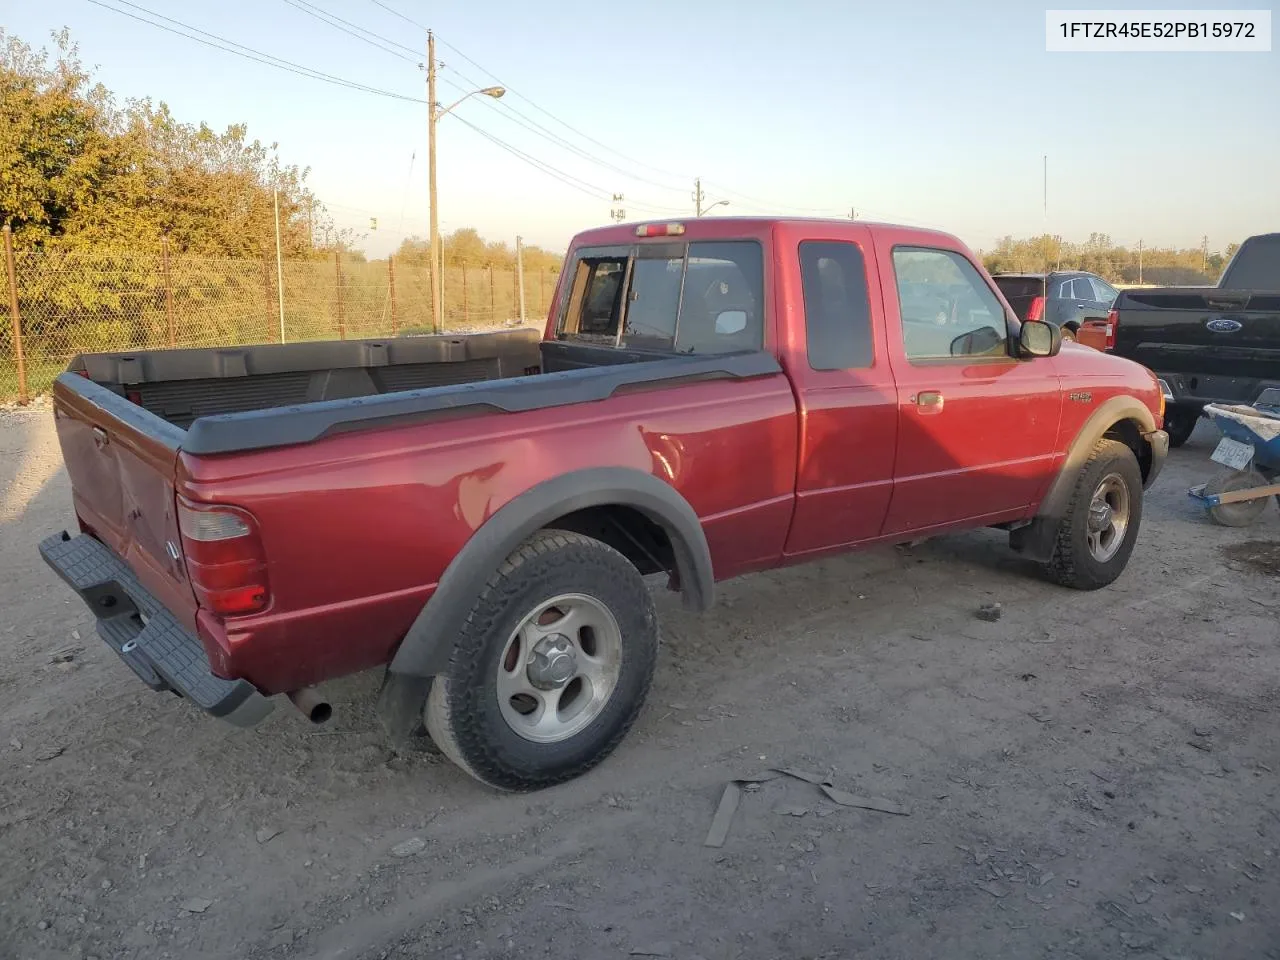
(1201, 331)
(121, 461)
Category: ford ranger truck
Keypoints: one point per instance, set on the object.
(479, 513)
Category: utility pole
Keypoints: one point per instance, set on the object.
(437, 281)
(853, 214)
(311, 232)
(1139, 261)
(697, 196)
(617, 214)
(520, 274)
(279, 264)
(1046, 187)
(1204, 254)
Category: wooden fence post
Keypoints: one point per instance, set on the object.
(337, 272)
(13, 313)
(466, 309)
(391, 283)
(493, 310)
(270, 301)
(168, 293)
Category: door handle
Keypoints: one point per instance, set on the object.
(100, 438)
(928, 401)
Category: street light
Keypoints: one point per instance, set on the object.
(718, 203)
(434, 113)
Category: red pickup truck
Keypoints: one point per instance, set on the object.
(479, 512)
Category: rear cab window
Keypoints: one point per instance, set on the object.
(700, 297)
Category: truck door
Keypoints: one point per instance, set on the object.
(845, 395)
(977, 428)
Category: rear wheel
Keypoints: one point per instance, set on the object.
(1097, 533)
(1180, 423)
(551, 667)
(1069, 331)
(1242, 512)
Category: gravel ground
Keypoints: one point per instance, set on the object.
(1094, 775)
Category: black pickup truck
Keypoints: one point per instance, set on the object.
(1207, 344)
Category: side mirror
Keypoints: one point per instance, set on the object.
(1039, 339)
(731, 321)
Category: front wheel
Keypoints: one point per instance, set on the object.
(1180, 423)
(551, 667)
(1096, 535)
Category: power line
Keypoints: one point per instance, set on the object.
(540, 109)
(532, 125)
(382, 43)
(582, 186)
(578, 184)
(400, 15)
(248, 53)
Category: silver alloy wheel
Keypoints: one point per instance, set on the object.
(559, 668)
(1108, 517)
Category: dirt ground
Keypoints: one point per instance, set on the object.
(1094, 775)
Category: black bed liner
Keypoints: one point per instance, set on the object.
(575, 375)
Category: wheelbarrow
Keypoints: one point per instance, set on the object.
(1250, 452)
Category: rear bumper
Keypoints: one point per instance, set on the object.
(1195, 390)
(146, 636)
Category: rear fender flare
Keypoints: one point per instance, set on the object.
(1037, 539)
(426, 647)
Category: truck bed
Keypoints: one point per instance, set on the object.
(227, 400)
(181, 386)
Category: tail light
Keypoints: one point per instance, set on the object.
(660, 230)
(225, 560)
(1113, 324)
(1036, 310)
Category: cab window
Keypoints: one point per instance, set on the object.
(947, 308)
(690, 298)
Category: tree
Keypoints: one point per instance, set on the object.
(82, 172)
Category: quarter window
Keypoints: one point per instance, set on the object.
(837, 310)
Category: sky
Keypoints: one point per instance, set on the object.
(933, 114)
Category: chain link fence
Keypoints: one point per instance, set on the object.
(95, 301)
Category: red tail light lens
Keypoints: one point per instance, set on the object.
(225, 560)
(1036, 310)
(1113, 324)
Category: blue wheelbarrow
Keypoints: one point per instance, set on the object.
(1250, 452)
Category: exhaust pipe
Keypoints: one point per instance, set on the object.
(312, 704)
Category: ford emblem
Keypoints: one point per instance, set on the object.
(1224, 325)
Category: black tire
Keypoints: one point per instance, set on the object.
(1241, 513)
(1180, 423)
(1069, 331)
(1073, 563)
(463, 712)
